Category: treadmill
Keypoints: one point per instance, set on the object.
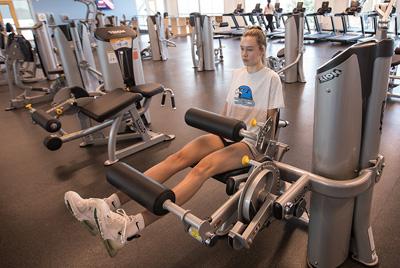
(237, 29)
(346, 36)
(298, 9)
(319, 34)
(258, 13)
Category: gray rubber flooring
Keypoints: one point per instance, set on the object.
(36, 230)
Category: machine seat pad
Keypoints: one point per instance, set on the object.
(223, 177)
(395, 60)
(110, 104)
(397, 51)
(148, 90)
(218, 36)
(57, 71)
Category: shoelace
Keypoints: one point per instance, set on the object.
(127, 219)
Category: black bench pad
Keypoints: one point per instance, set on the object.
(109, 104)
(223, 177)
(57, 71)
(148, 90)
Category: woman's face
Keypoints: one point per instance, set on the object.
(250, 51)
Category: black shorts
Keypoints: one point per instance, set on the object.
(226, 142)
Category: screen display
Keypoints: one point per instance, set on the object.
(105, 4)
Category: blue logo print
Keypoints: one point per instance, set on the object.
(244, 96)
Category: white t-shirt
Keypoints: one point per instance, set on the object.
(269, 10)
(251, 95)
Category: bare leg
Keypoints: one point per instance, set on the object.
(217, 162)
(190, 154)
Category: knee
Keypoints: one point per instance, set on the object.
(203, 170)
(177, 159)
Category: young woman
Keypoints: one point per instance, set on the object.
(255, 92)
(269, 14)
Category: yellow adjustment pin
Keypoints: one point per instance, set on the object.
(245, 160)
(253, 122)
(195, 234)
(28, 106)
(59, 111)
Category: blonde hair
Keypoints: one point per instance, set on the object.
(261, 39)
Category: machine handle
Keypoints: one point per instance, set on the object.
(172, 96)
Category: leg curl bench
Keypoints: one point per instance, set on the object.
(117, 109)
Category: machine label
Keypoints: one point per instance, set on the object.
(116, 32)
(121, 42)
(112, 58)
(329, 76)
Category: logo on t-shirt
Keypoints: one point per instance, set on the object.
(244, 96)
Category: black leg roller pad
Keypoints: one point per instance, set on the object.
(214, 123)
(144, 190)
(46, 121)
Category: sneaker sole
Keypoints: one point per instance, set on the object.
(107, 243)
(88, 226)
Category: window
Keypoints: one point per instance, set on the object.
(186, 7)
(146, 8)
(250, 4)
(211, 7)
(288, 5)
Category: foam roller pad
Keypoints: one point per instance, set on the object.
(139, 187)
(46, 121)
(214, 123)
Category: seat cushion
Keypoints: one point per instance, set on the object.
(148, 90)
(110, 104)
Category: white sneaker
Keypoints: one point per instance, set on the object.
(82, 209)
(116, 228)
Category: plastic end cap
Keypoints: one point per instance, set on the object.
(53, 143)
(59, 111)
(253, 122)
(245, 160)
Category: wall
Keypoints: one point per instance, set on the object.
(76, 10)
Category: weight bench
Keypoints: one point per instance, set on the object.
(107, 110)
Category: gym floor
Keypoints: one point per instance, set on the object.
(36, 230)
